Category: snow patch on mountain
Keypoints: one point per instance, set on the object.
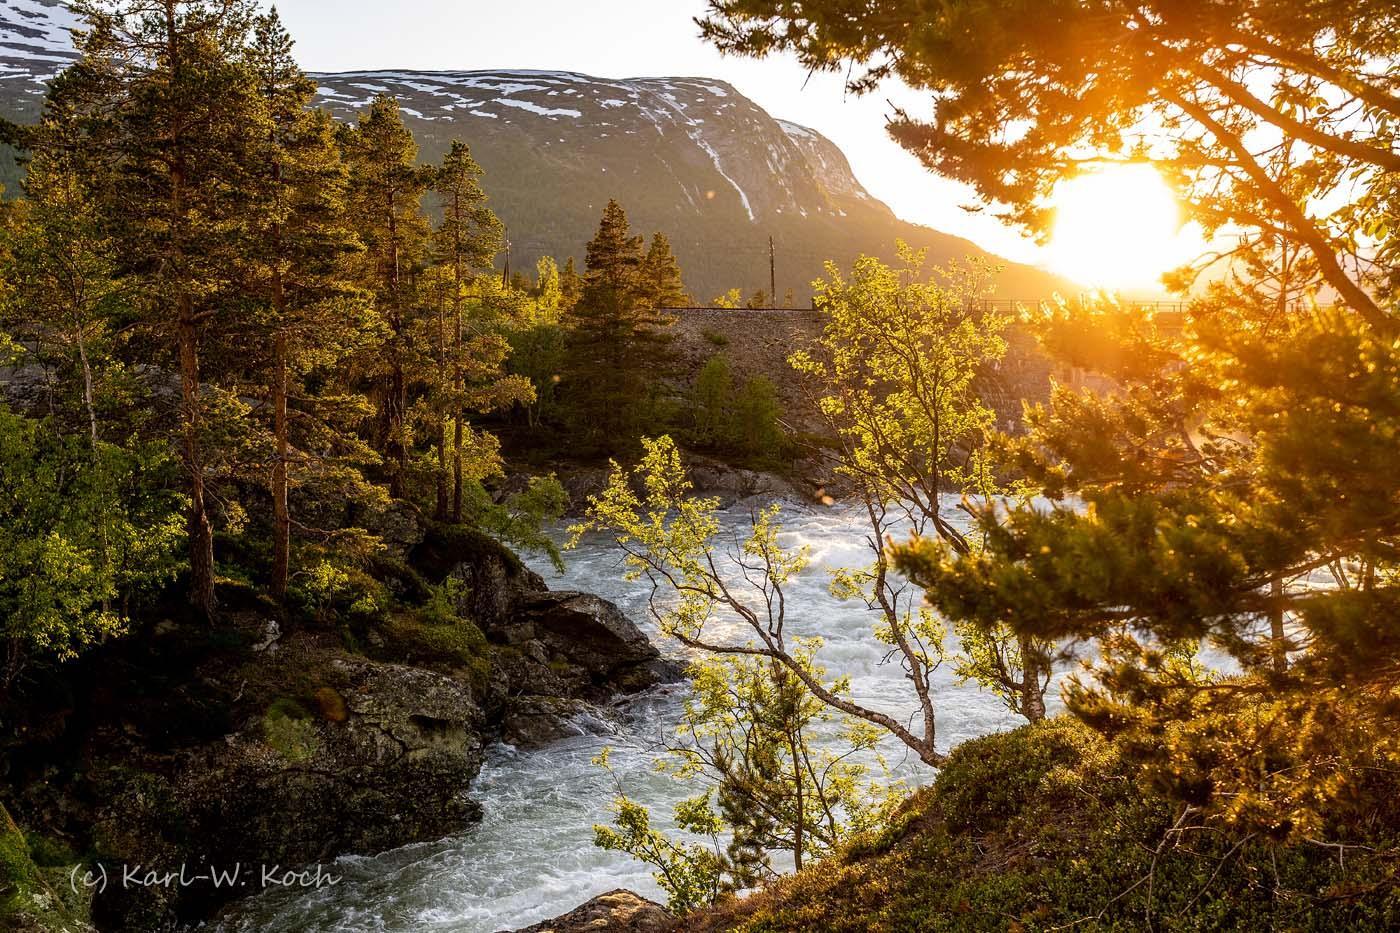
(536, 108)
(37, 29)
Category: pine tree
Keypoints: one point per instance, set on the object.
(661, 276)
(165, 99)
(386, 191)
(618, 345)
(613, 259)
(570, 286)
(297, 247)
(466, 242)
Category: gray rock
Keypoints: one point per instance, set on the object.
(399, 524)
(593, 634)
(732, 484)
(582, 483)
(27, 387)
(394, 771)
(386, 763)
(491, 580)
(614, 912)
(533, 722)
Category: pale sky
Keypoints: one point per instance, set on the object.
(638, 38)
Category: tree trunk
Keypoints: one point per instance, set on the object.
(1277, 636)
(397, 402)
(457, 383)
(91, 409)
(88, 405)
(281, 515)
(457, 469)
(798, 834)
(201, 532)
(1032, 671)
(397, 448)
(441, 506)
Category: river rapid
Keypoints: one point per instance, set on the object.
(532, 856)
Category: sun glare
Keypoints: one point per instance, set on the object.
(1119, 228)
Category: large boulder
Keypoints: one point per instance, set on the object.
(35, 899)
(399, 525)
(732, 484)
(581, 484)
(593, 634)
(490, 580)
(536, 721)
(559, 643)
(390, 765)
(614, 912)
(383, 759)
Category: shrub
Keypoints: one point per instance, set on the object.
(757, 434)
(742, 423)
(288, 729)
(1048, 826)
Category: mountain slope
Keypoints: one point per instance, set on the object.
(690, 156)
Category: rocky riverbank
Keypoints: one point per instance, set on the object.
(614, 912)
(812, 479)
(274, 742)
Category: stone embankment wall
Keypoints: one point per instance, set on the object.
(759, 343)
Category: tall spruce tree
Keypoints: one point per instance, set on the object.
(662, 286)
(386, 192)
(298, 245)
(570, 286)
(465, 242)
(164, 98)
(613, 258)
(619, 345)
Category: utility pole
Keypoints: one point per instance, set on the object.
(505, 273)
(772, 276)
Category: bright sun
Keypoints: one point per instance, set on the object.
(1119, 228)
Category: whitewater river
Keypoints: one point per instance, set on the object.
(532, 855)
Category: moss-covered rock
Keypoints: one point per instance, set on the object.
(456, 645)
(613, 912)
(288, 729)
(1046, 828)
(35, 899)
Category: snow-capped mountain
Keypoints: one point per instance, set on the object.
(731, 150)
(689, 156)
